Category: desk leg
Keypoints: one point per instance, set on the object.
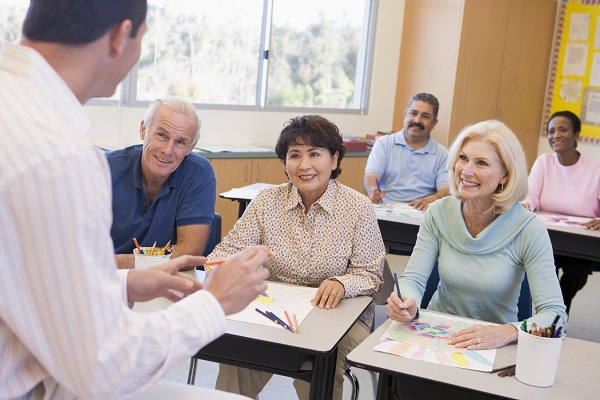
(384, 385)
(242, 207)
(323, 377)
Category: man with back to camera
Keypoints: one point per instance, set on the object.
(409, 165)
(65, 328)
(162, 191)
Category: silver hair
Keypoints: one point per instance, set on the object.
(177, 104)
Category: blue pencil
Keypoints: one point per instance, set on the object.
(378, 186)
(280, 321)
(397, 287)
(266, 315)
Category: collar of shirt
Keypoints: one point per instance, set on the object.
(429, 148)
(28, 64)
(326, 201)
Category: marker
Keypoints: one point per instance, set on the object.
(397, 287)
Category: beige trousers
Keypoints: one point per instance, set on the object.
(250, 383)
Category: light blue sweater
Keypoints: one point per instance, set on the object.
(481, 277)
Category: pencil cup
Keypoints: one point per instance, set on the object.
(145, 261)
(537, 359)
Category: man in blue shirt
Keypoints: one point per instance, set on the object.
(162, 191)
(409, 166)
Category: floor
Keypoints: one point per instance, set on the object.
(584, 324)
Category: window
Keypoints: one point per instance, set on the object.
(249, 53)
(12, 14)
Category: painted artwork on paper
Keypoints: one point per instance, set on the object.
(277, 299)
(562, 220)
(425, 340)
(397, 210)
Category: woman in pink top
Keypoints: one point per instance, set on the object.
(567, 182)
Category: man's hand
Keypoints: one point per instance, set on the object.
(163, 280)
(376, 195)
(240, 280)
(423, 203)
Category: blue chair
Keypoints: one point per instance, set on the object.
(524, 305)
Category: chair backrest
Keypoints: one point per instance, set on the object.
(214, 237)
(524, 305)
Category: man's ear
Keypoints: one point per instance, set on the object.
(119, 36)
(142, 130)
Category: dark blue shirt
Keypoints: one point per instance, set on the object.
(187, 198)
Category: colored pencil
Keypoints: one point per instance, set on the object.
(164, 249)
(296, 323)
(137, 245)
(289, 320)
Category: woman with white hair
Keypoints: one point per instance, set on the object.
(484, 242)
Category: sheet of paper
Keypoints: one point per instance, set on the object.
(575, 59)
(247, 192)
(579, 27)
(425, 340)
(397, 210)
(562, 220)
(279, 298)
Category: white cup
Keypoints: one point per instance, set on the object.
(145, 261)
(537, 359)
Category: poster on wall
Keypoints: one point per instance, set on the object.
(574, 79)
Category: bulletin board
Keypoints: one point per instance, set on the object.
(574, 78)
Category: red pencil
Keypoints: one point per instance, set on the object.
(139, 249)
(289, 320)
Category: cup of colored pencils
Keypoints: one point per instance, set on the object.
(147, 257)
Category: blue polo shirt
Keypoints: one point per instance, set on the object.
(408, 174)
(187, 198)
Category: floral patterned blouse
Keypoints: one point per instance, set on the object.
(338, 238)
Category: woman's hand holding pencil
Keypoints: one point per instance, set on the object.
(400, 308)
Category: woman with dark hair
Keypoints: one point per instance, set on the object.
(321, 234)
(567, 182)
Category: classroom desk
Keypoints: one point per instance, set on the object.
(244, 195)
(576, 378)
(401, 232)
(310, 355)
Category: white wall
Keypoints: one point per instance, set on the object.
(116, 127)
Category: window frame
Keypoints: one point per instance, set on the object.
(128, 95)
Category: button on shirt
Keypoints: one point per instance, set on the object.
(338, 238)
(406, 174)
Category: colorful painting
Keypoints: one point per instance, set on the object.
(562, 220)
(397, 210)
(425, 340)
